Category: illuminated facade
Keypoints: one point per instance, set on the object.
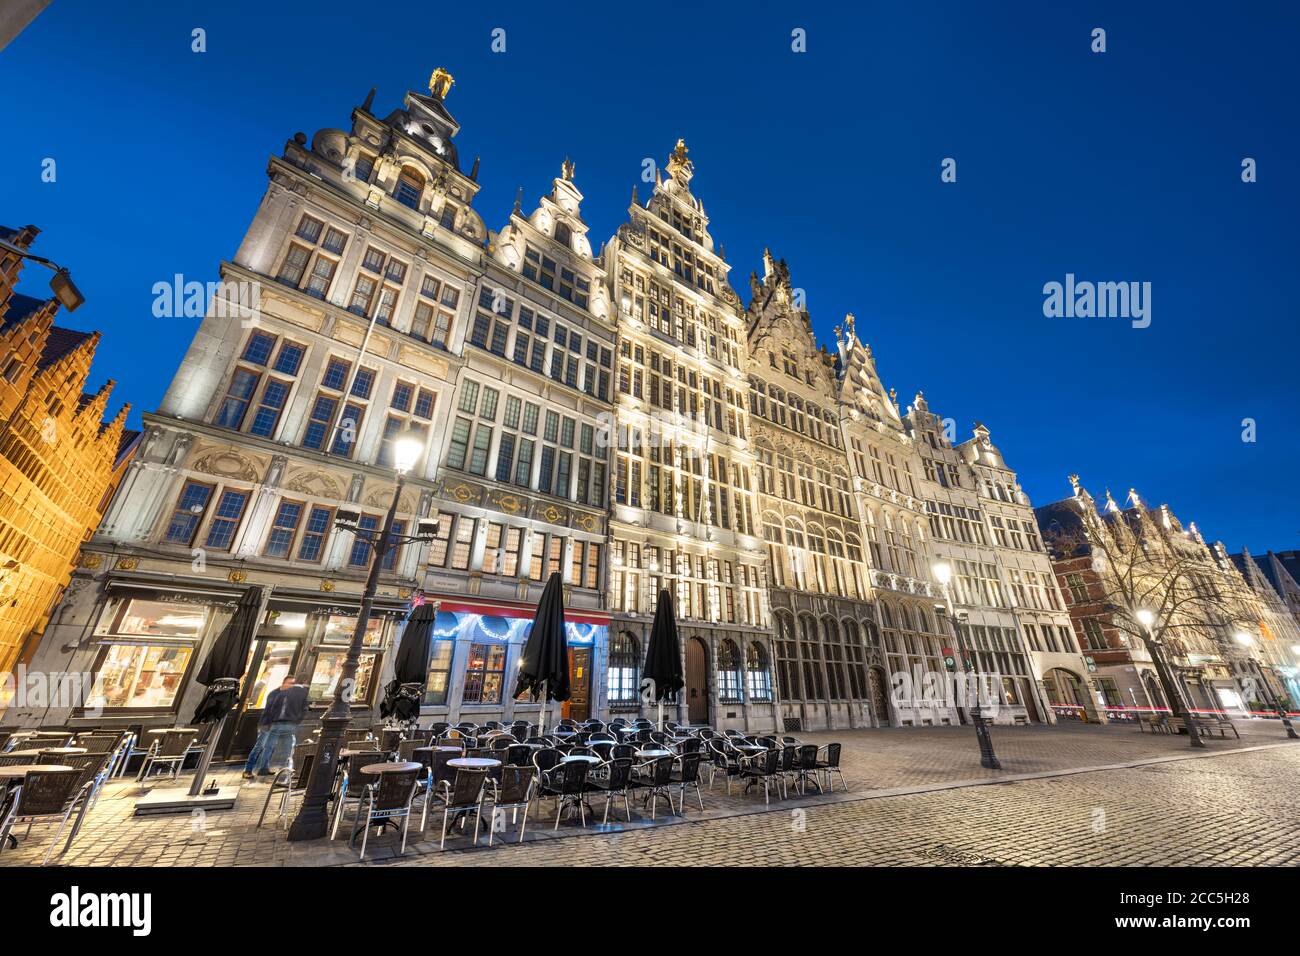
(617, 416)
(683, 511)
(59, 460)
(1214, 667)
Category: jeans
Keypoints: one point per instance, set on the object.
(255, 755)
(277, 752)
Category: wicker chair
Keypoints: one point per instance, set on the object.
(459, 797)
(686, 775)
(406, 749)
(612, 778)
(805, 767)
(48, 794)
(656, 778)
(170, 751)
(388, 800)
(830, 764)
(513, 792)
(289, 783)
(724, 759)
(352, 784)
(389, 740)
(764, 767)
(566, 784)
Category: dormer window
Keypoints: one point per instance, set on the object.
(410, 186)
(564, 235)
(363, 168)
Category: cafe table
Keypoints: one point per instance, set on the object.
(391, 766)
(473, 763)
(584, 758)
(654, 754)
(56, 751)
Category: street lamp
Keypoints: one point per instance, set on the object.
(1148, 622)
(943, 574)
(1245, 640)
(313, 820)
(61, 284)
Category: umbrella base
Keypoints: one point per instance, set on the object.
(178, 800)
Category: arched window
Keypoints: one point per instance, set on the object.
(729, 679)
(563, 234)
(856, 660)
(787, 657)
(758, 672)
(624, 665)
(810, 649)
(410, 186)
(834, 660)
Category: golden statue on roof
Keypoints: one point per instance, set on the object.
(679, 164)
(440, 82)
(566, 169)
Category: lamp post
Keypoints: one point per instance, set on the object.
(1245, 640)
(313, 819)
(943, 574)
(1148, 620)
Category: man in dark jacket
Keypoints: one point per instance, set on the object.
(285, 709)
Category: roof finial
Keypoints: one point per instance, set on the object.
(519, 198)
(440, 82)
(566, 169)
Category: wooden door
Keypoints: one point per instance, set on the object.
(578, 706)
(697, 681)
(1031, 700)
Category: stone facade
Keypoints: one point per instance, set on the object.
(1218, 639)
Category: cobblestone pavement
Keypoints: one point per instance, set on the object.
(1140, 815)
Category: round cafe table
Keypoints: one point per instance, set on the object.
(653, 754)
(473, 763)
(391, 766)
(575, 758)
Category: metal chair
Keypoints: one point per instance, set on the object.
(566, 783)
(688, 775)
(352, 784)
(724, 759)
(612, 778)
(514, 791)
(289, 783)
(763, 767)
(387, 801)
(170, 751)
(655, 777)
(805, 767)
(460, 797)
(831, 765)
(48, 794)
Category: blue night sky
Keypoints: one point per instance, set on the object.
(1123, 166)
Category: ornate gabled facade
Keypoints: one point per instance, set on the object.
(59, 459)
(617, 416)
(829, 666)
(1150, 556)
(684, 515)
(1278, 627)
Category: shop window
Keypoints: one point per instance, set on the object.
(135, 676)
(439, 677)
(622, 677)
(329, 667)
(485, 674)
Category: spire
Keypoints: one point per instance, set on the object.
(519, 198)
(635, 201)
(1111, 507)
(370, 100)
(768, 265)
(473, 173)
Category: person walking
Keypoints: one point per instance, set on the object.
(285, 709)
(263, 735)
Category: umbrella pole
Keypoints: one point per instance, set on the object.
(541, 727)
(201, 770)
(661, 713)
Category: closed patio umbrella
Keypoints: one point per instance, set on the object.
(544, 666)
(221, 673)
(663, 655)
(411, 668)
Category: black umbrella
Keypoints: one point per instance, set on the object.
(411, 668)
(663, 655)
(227, 660)
(544, 668)
(221, 673)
